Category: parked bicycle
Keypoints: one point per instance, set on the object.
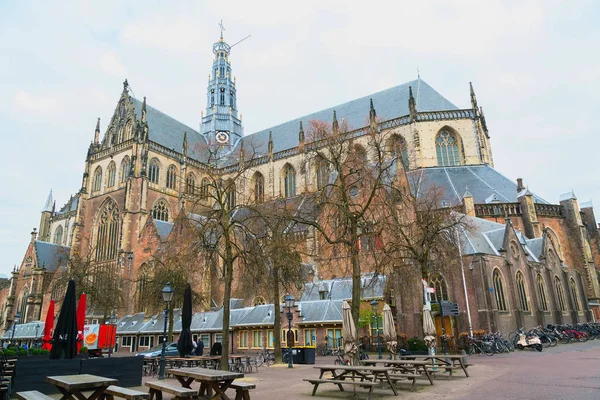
(266, 357)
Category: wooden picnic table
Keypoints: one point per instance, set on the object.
(73, 386)
(210, 380)
(360, 375)
(404, 366)
(448, 361)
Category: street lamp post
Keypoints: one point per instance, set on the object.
(375, 306)
(37, 327)
(289, 303)
(16, 321)
(112, 321)
(167, 294)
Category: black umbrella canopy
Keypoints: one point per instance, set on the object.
(184, 344)
(64, 341)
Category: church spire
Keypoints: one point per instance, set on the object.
(144, 111)
(49, 202)
(412, 107)
(97, 132)
(372, 113)
(184, 146)
(301, 134)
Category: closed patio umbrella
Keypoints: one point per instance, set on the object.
(389, 330)
(429, 328)
(184, 343)
(348, 332)
(80, 320)
(48, 325)
(64, 341)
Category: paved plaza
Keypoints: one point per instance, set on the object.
(564, 372)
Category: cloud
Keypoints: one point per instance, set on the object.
(111, 64)
(27, 102)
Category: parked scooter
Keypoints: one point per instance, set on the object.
(528, 341)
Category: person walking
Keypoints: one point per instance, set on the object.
(199, 347)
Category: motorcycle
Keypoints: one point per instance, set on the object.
(528, 341)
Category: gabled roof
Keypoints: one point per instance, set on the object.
(50, 255)
(389, 104)
(258, 315)
(372, 286)
(131, 323)
(482, 181)
(163, 228)
(320, 311)
(168, 132)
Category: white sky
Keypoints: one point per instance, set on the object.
(535, 66)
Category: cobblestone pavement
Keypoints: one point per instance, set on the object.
(564, 372)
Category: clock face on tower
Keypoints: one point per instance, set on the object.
(222, 137)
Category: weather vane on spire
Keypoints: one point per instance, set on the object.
(222, 28)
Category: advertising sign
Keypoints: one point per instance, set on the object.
(90, 336)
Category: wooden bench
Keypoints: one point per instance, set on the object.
(396, 376)
(242, 390)
(340, 382)
(32, 395)
(124, 393)
(158, 387)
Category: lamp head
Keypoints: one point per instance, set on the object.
(168, 293)
(17, 317)
(374, 305)
(289, 301)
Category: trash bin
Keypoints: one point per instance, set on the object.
(309, 355)
(298, 355)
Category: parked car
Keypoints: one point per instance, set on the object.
(171, 350)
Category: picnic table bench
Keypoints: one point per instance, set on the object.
(404, 369)
(362, 376)
(449, 362)
(210, 380)
(73, 386)
(158, 387)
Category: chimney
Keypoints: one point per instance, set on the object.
(520, 186)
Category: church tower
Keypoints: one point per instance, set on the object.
(220, 125)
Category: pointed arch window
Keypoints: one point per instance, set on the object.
(222, 97)
(522, 294)
(161, 211)
(447, 149)
(259, 188)
(560, 294)
(128, 130)
(438, 282)
(112, 173)
(204, 186)
(499, 291)
(289, 176)
(23, 305)
(58, 235)
(121, 134)
(97, 183)
(322, 173)
(541, 287)
(397, 149)
(230, 194)
(576, 303)
(171, 177)
(125, 169)
(107, 232)
(154, 170)
(190, 184)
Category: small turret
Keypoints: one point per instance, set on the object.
(335, 126)
(468, 203)
(473, 99)
(270, 146)
(144, 111)
(301, 134)
(184, 146)
(372, 113)
(97, 132)
(412, 106)
(242, 155)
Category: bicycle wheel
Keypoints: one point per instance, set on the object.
(487, 348)
(583, 337)
(285, 358)
(270, 360)
(260, 359)
(513, 338)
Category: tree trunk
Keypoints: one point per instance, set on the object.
(170, 331)
(277, 314)
(228, 264)
(355, 307)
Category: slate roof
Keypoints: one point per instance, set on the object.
(164, 228)
(50, 255)
(71, 205)
(26, 331)
(131, 323)
(320, 311)
(482, 181)
(389, 104)
(372, 286)
(168, 132)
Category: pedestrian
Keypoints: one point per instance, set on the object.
(199, 347)
(194, 346)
